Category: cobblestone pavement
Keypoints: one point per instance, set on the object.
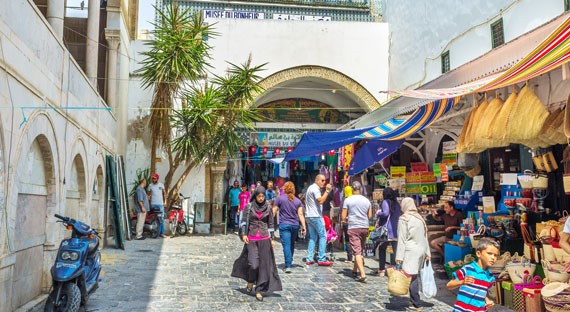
(192, 273)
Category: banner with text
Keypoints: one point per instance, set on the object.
(274, 139)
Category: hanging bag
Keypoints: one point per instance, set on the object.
(380, 232)
(566, 177)
(398, 281)
(531, 248)
(429, 288)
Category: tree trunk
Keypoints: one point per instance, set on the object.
(153, 156)
(176, 187)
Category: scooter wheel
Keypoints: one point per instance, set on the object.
(70, 298)
(156, 228)
(182, 228)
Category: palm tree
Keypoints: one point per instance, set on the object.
(178, 54)
(206, 129)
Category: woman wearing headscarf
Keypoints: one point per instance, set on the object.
(388, 216)
(413, 247)
(256, 264)
(290, 212)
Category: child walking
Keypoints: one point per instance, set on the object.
(474, 279)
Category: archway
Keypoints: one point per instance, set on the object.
(97, 208)
(76, 191)
(35, 195)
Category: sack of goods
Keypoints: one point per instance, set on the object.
(398, 282)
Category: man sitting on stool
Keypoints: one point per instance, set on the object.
(452, 219)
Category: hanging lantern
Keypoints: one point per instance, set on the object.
(277, 151)
(264, 150)
(241, 149)
(289, 149)
(332, 152)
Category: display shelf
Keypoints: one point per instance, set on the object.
(508, 192)
(468, 201)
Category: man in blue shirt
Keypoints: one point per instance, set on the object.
(233, 202)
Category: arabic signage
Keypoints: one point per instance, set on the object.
(398, 171)
(274, 139)
(423, 189)
(420, 177)
(294, 17)
(419, 166)
(233, 14)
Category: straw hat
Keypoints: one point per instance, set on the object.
(553, 289)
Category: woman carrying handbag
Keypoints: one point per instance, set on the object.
(413, 247)
(388, 216)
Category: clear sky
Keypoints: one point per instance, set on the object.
(146, 14)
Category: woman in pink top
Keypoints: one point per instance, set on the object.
(243, 197)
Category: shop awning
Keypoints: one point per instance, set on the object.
(372, 152)
(419, 120)
(313, 143)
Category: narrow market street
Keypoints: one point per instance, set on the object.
(192, 273)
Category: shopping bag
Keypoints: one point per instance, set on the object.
(398, 282)
(429, 288)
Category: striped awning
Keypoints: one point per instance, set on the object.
(423, 117)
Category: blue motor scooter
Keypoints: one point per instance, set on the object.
(75, 272)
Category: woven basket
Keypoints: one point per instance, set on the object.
(548, 252)
(550, 133)
(517, 270)
(471, 136)
(398, 282)
(460, 146)
(540, 181)
(526, 118)
(567, 118)
(555, 272)
(561, 255)
(558, 302)
(482, 133)
(497, 131)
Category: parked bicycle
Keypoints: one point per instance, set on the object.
(176, 219)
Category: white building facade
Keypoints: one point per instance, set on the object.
(56, 129)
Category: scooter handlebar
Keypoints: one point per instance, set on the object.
(61, 217)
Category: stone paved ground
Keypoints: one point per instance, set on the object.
(192, 273)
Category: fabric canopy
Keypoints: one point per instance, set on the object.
(419, 120)
(313, 143)
(372, 152)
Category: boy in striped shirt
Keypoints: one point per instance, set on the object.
(474, 279)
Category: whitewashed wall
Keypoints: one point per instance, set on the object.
(421, 30)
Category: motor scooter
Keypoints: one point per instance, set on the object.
(176, 219)
(75, 273)
(151, 223)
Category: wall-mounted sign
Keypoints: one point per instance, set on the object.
(274, 139)
(398, 171)
(233, 14)
(419, 167)
(294, 17)
(423, 189)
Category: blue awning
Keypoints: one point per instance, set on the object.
(372, 152)
(313, 143)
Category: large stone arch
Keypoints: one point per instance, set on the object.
(33, 200)
(76, 183)
(364, 98)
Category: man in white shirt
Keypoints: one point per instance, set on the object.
(314, 200)
(565, 241)
(157, 194)
(356, 209)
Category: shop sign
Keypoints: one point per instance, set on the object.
(436, 170)
(295, 17)
(274, 139)
(449, 147)
(423, 189)
(420, 177)
(444, 173)
(381, 180)
(398, 171)
(233, 14)
(478, 183)
(419, 167)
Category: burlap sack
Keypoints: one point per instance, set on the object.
(526, 118)
(483, 139)
(496, 132)
(475, 122)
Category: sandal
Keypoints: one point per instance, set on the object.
(362, 279)
(354, 274)
(259, 297)
(380, 272)
(249, 287)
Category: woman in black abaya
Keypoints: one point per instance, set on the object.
(256, 264)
